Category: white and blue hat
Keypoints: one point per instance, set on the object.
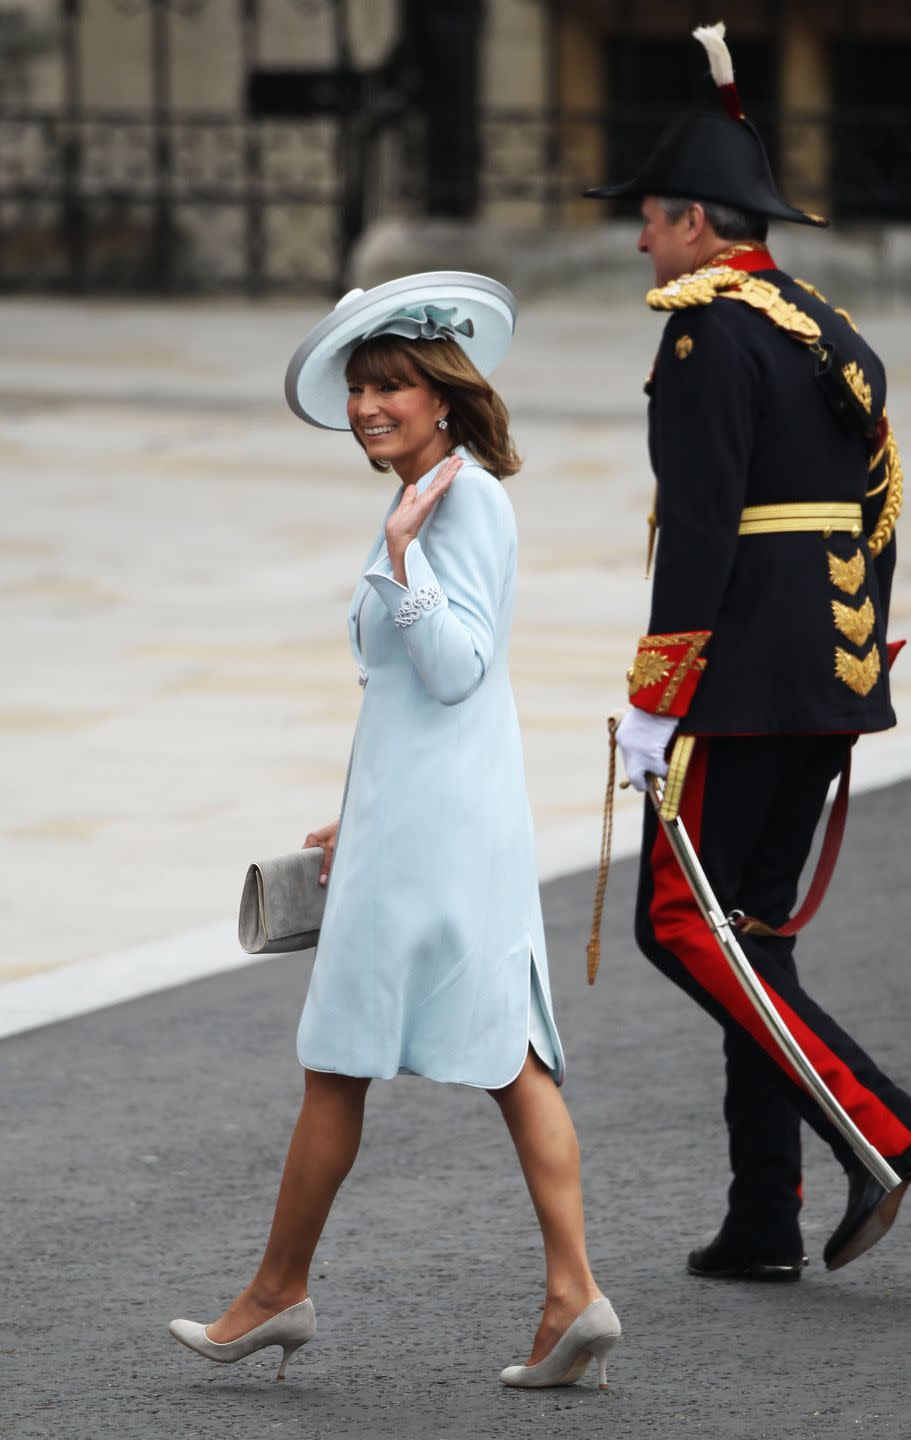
(478, 312)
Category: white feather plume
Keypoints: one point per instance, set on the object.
(711, 37)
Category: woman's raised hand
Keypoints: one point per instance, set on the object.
(324, 840)
(412, 510)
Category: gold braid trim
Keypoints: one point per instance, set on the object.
(681, 755)
(700, 288)
(703, 286)
(882, 532)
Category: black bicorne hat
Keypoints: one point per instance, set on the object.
(713, 156)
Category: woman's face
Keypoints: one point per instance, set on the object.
(396, 420)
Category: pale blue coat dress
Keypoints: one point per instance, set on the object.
(431, 959)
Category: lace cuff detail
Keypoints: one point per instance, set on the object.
(416, 603)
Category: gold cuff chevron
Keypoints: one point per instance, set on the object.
(859, 675)
(856, 624)
(847, 575)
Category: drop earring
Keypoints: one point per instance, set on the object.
(442, 423)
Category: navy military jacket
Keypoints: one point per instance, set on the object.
(736, 419)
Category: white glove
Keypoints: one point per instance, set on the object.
(643, 739)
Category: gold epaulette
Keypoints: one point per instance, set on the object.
(763, 295)
(700, 288)
(766, 297)
(703, 286)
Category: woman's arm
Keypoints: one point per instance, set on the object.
(446, 611)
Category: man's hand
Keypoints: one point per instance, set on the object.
(324, 840)
(643, 740)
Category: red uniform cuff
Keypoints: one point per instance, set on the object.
(666, 671)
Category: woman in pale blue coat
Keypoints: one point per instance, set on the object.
(431, 958)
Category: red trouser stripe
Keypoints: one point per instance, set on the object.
(679, 928)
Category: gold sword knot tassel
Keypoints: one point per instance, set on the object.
(593, 948)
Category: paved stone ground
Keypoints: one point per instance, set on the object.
(141, 1151)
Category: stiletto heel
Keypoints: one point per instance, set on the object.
(601, 1349)
(290, 1329)
(593, 1333)
(288, 1351)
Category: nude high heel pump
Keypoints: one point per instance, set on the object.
(290, 1329)
(592, 1334)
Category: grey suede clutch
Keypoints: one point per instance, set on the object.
(281, 907)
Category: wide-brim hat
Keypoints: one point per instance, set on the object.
(711, 157)
(474, 310)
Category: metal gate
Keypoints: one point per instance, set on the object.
(171, 199)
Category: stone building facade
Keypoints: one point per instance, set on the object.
(261, 144)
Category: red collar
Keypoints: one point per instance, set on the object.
(745, 255)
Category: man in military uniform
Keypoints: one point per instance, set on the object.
(778, 486)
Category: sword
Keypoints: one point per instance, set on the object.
(722, 927)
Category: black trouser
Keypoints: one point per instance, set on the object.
(751, 805)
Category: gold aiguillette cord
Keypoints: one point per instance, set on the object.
(593, 948)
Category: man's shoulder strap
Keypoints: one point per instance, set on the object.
(765, 297)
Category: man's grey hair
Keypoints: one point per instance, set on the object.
(727, 221)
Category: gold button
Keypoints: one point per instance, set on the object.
(826, 531)
(855, 532)
(629, 673)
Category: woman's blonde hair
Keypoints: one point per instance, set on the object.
(477, 416)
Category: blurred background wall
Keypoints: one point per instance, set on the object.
(264, 145)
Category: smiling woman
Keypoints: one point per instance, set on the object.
(392, 381)
(431, 958)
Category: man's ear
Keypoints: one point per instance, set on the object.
(695, 223)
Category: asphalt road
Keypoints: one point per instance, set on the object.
(142, 1146)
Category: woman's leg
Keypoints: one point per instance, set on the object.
(548, 1151)
(322, 1151)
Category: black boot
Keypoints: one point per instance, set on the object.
(869, 1213)
(728, 1259)
(760, 1238)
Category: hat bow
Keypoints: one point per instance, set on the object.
(422, 322)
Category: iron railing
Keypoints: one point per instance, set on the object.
(164, 199)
